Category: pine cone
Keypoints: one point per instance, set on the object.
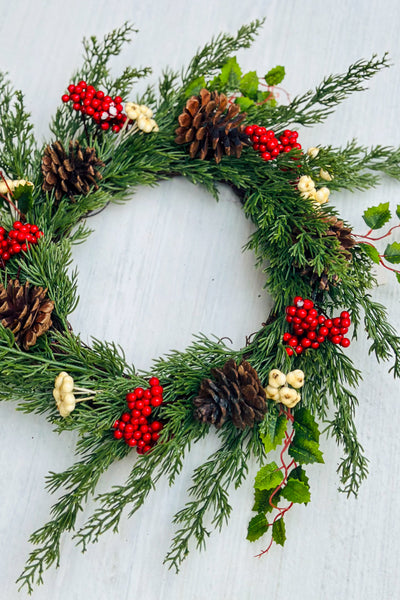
(237, 394)
(25, 310)
(346, 242)
(210, 126)
(70, 173)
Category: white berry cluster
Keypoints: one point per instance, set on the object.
(142, 115)
(64, 396)
(307, 189)
(9, 185)
(278, 387)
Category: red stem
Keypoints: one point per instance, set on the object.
(285, 467)
(386, 267)
(378, 238)
(12, 204)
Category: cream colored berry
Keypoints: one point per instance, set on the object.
(276, 378)
(295, 378)
(272, 392)
(306, 184)
(313, 152)
(325, 175)
(322, 195)
(287, 396)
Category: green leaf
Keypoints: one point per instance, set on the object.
(275, 75)
(392, 253)
(376, 216)
(230, 73)
(249, 85)
(261, 501)
(279, 532)
(268, 477)
(195, 86)
(296, 491)
(244, 102)
(371, 251)
(299, 474)
(22, 196)
(398, 277)
(274, 432)
(257, 527)
(305, 451)
(398, 210)
(305, 445)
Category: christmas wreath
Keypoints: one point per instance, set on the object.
(212, 124)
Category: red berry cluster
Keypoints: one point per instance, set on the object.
(104, 110)
(134, 426)
(268, 145)
(311, 329)
(18, 239)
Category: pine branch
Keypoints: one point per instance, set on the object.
(315, 106)
(18, 151)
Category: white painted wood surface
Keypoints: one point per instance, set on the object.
(169, 264)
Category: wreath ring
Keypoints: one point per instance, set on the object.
(206, 128)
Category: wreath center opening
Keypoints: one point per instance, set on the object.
(165, 266)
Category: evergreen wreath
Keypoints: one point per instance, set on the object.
(211, 124)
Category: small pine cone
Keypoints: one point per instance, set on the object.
(70, 173)
(25, 310)
(211, 126)
(236, 393)
(346, 240)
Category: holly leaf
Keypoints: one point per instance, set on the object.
(305, 445)
(249, 85)
(273, 432)
(299, 474)
(392, 253)
(371, 251)
(275, 75)
(268, 477)
(194, 87)
(244, 103)
(230, 73)
(296, 491)
(23, 197)
(261, 501)
(279, 532)
(376, 216)
(257, 527)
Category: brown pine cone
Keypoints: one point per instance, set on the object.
(70, 173)
(25, 310)
(346, 242)
(211, 127)
(236, 393)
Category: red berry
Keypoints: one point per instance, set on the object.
(284, 140)
(308, 304)
(312, 335)
(297, 146)
(345, 315)
(298, 301)
(154, 381)
(299, 349)
(321, 319)
(310, 320)
(136, 413)
(344, 330)
(289, 351)
(328, 323)
(156, 426)
(345, 342)
(336, 321)
(139, 392)
(345, 322)
(298, 330)
(100, 95)
(334, 331)
(71, 88)
(65, 98)
(155, 436)
(249, 130)
(105, 126)
(320, 339)
(270, 134)
(139, 405)
(300, 312)
(293, 342)
(146, 449)
(125, 417)
(266, 156)
(287, 149)
(137, 435)
(141, 444)
(146, 412)
(256, 147)
(275, 152)
(297, 320)
(116, 423)
(262, 148)
(286, 337)
(156, 390)
(271, 144)
(305, 342)
(117, 99)
(147, 437)
(156, 401)
(315, 345)
(291, 310)
(260, 130)
(130, 397)
(289, 319)
(323, 331)
(336, 339)
(287, 133)
(131, 442)
(118, 434)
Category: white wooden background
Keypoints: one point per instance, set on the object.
(168, 265)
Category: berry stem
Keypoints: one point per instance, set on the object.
(386, 267)
(367, 236)
(11, 194)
